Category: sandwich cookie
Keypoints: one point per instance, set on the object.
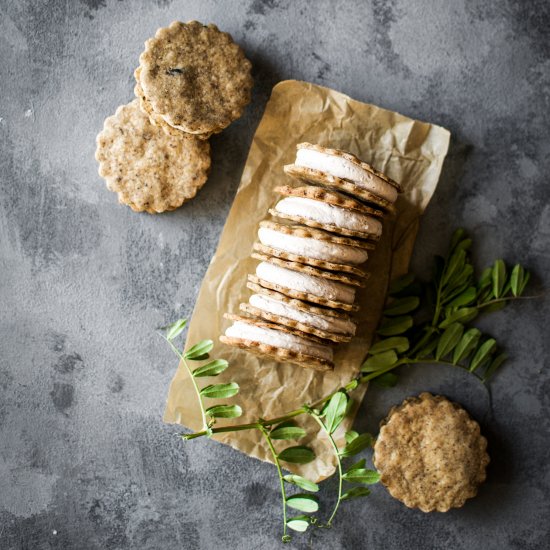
(150, 170)
(195, 77)
(282, 313)
(313, 246)
(334, 212)
(343, 171)
(430, 454)
(278, 342)
(305, 287)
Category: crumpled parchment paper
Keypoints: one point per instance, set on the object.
(410, 152)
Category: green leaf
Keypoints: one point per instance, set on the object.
(297, 455)
(287, 430)
(482, 353)
(302, 482)
(449, 339)
(428, 348)
(199, 351)
(224, 411)
(465, 298)
(461, 279)
(362, 475)
(495, 364)
(380, 361)
(303, 502)
(458, 235)
(298, 523)
(392, 326)
(386, 380)
(356, 492)
(358, 465)
(357, 445)
(402, 306)
(462, 315)
(499, 277)
(467, 344)
(213, 368)
(486, 278)
(335, 411)
(401, 283)
(216, 391)
(526, 278)
(175, 329)
(455, 265)
(516, 279)
(350, 436)
(398, 343)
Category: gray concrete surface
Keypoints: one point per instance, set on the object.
(85, 461)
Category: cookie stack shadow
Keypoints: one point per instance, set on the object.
(312, 255)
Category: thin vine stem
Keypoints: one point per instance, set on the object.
(339, 463)
(280, 473)
(197, 390)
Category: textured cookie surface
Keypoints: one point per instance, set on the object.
(149, 170)
(430, 454)
(311, 175)
(274, 352)
(195, 77)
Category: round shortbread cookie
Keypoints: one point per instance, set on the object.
(309, 270)
(157, 119)
(430, 454)
(275, 352)
(150, 170)
(195, 77)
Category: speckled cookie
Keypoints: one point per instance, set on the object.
(150, 170)
(303, 296)
(430, 454)
(310, 270)
(275, 352)
(323, 204)
(195, 77)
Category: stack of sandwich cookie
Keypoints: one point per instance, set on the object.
(312, 258)
(192, 82)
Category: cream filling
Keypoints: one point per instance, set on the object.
(344, 168)
(279, 339)
(312, 248)
(301, 282)
(324, 213)
(321, 322)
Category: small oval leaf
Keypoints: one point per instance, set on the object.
(350, 436)
(297, 455)
(449, 339)
(175, 329)
(381, 361)
(216, 391)
(213, 368)
(335, 410)
(199, 351)
(516, 279)
(391, 326)
(357, 445)
(303, 502)
(302, 482)
(462, 315)
(398, 343)
(359, 464)
(287, 430)
(402, 306)
(298, 523)
(499, 277)
(356, 492)
(495, 364)
(362, 475)
(482, 353)
(465, 298)
(467, 344)
(401, 283)
(224, 411)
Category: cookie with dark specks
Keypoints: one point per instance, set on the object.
(150, 170)
(431, 454)
(195, 77)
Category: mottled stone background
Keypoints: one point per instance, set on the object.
(85, 461)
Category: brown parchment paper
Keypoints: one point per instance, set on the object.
(410, 152)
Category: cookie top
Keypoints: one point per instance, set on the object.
(149, 170)
(430, 454)
(195, 77)
(276, 341)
